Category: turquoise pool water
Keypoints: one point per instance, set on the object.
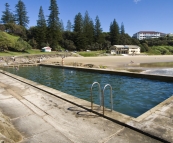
(131, 96)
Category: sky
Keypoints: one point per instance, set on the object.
(136, 15)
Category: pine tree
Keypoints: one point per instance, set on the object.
(122, 28)
(7, 16)
(88, 29)
(54, 33)
(41, 29)
(125, 39)
(78, 31)
(69, 26)
(78, 23)
(61, 25)
(98, 31)
(21, 14)
(114, 33)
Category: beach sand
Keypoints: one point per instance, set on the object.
(114, 62)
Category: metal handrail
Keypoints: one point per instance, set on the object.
(110, 97)
(92, 94)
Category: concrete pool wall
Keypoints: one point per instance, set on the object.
(117, 72)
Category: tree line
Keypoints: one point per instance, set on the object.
(83, 34)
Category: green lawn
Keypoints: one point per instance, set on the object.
(28, 52)
(91, 53)
(38, 52)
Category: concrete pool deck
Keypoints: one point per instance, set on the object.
(43, 114)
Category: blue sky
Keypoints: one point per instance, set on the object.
(137, 15)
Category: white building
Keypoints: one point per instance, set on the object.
(46, 49)
(125, 49)
(170, 34)
(147, 35)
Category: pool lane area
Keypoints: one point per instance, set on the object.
(63, 117)
(131, 96)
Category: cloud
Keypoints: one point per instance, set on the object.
(136, 1)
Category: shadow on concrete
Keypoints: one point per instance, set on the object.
(83, 113)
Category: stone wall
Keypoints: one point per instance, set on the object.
(29, 59)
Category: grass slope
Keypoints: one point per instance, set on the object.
(10, 38)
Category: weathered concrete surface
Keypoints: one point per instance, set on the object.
(126, 134)
(159, 122)
(49, 136)
(14, 108)
(42, 117)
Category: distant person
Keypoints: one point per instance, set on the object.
(13, 58)
(40, 59)
(131, 62)
(17, 68)
(63, 61)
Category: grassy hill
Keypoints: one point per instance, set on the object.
(10, 37)
(7, 40)
(12, 43)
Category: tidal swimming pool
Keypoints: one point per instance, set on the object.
(131, 96)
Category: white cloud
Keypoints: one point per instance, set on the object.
(136, 1)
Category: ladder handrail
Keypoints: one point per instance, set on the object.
(92, 94)
(110, 96)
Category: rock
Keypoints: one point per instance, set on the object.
(8, 134)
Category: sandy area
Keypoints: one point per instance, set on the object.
(114, 62)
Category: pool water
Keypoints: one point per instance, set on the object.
(131, 96)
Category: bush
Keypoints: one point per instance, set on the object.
(162, 50)
(22, 45)
(5, 41)
(154, 52)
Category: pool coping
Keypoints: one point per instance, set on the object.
(117, 72)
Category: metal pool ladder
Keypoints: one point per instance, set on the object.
(101, 95)
(92, 94)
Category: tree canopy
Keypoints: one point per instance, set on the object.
(98, 31)
(7, 16)
(54, 30)
(114, 33)
(21, 14)
(41, 30)
(82, 34)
